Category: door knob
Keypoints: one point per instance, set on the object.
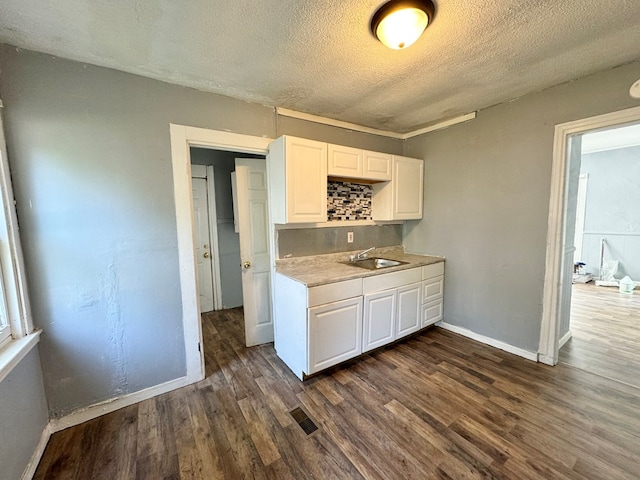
(206, 255)
(246, 264)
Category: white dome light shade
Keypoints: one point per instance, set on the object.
(399, 23)
(634, 91)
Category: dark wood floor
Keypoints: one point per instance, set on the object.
(435, 406)
(605, 325)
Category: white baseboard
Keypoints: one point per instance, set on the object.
(99, 409)
(30, 471)
(533, 356)
(565, 338)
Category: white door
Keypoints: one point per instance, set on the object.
(253, 221)
(203, 248)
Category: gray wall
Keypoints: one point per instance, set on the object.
(23, 415)
(613, 210)
(90, 156)
(487, 187)
(318, 241)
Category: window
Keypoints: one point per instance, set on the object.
(15, 318)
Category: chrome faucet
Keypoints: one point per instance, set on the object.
(360, 255)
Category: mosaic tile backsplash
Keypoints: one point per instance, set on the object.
(348, 201)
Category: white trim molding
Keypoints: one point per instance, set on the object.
(465, 332)
(34, 461)
(553, 281)
(182, 138)
(440, 125)
(97, 410)
(565, 338)
(16, 350)
(285, 112)
(212, 210)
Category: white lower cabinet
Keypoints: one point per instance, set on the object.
(318, 327)
(379, 315)
(408, 316)
(431, 313)
(335, 333)
(432, 294)
(391, 313)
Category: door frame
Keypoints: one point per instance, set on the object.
(182, 138)
(555, 278)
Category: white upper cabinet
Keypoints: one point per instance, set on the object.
(402, 197)
(345, 161)
(359, 164)
(376, 165)
(298, 180)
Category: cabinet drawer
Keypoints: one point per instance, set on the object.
(332, 292)
(432, 289)
(385, 281)
(431, 313)
(433, 270)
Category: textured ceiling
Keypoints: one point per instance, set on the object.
(317, 56)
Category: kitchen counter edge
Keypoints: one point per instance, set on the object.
(316, 270)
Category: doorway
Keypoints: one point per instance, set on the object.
(561, 225)
(182, 139)
(604, 332)
(217, 236)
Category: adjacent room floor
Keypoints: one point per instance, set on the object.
(436, 405)
(605, 327)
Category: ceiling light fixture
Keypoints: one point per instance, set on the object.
(634, 91)
(399, 23)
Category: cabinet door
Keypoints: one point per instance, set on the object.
(432, 289)
(335, 333)
(408, 183)
(379, 315)
(345, 161)
(306, 180)
(376, 166)
(408, 317)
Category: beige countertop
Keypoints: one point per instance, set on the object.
(322, 269)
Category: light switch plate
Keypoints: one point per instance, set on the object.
(349, 237)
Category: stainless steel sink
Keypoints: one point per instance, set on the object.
(375, 263)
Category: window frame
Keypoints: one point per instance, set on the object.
(15, 314)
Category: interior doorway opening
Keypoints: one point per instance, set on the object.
(217, 233)
(555, 323)
(603, 334)
(182, 138)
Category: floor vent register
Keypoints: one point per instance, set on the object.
(302, 419)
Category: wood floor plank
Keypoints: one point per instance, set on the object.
(605, 326)
(435, 405)
(116, 446)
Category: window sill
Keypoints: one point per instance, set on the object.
(16, 350)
